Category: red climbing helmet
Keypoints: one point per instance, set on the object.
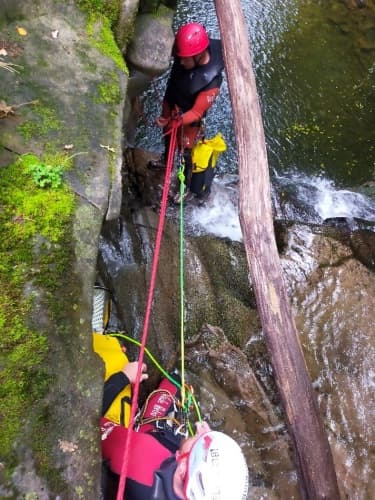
(191, 39)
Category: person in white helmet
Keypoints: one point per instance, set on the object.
(210, 466)
(163, 464)
(207, 466)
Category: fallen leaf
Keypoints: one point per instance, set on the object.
(112, 150)
(68, 146)
(67, 447)
(21, 31)
(55, 33)
(3, 52)
(5, 110)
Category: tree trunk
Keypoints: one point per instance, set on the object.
(313, 456)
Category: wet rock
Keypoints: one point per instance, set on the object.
(125, 24)
(153, 5)
(358, 20)
(281, 234)
(138, 83)
(356, 3)
(362, 243)
(334, 301)
(339, 222)
(151, 45)
(232, 372)
(247, 412)
(355, 234)
(368, 189)
(145, 185)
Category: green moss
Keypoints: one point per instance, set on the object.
(101, 37)
(112, 166)
(109, 91)
(45, 120)
(110, 8)
(22, 376)
(35, 225)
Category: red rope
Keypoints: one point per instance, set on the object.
(155, 262)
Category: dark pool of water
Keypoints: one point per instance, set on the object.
(314, 63)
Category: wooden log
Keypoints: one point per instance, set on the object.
(313, 457)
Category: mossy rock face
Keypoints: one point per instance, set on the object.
(60, 161)
(73, 76)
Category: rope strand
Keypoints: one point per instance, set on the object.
(163, 208)
(181, 177)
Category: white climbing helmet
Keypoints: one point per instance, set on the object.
(217, 469)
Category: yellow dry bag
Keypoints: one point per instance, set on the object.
(206, 152)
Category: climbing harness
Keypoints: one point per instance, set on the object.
(175, 421)
(190, 400)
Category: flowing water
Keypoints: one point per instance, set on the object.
(314, 64)
(316, 85)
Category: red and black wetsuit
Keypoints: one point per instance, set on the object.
(151, 462)
(192, 92)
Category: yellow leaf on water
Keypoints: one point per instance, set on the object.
(21, 31)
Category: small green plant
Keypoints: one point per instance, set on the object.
(46, 176)
(48, 173)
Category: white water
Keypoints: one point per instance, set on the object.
(219, 216)
(318, 198)
(321, 199)
(341, 203)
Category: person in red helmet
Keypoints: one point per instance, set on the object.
(193, 85)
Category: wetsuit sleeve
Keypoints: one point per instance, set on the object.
(203, 102)
(112, 387)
